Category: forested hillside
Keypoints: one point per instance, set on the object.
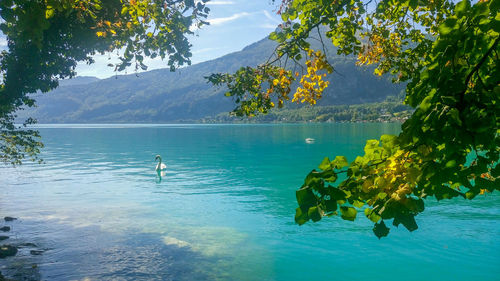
(390, 110)
(164, 96)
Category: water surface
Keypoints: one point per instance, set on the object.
(223, 210)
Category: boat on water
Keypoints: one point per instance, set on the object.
(310, 140)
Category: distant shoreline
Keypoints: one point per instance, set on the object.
(175, 124)
(389, 111)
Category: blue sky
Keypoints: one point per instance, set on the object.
(234, 24)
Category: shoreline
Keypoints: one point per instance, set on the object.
(13, 252)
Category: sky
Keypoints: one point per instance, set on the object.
(234, 24)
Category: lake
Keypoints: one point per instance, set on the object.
(223, 211)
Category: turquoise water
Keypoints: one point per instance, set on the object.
(223, 210)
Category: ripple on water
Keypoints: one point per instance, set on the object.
(223, 211)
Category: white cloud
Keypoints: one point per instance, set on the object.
(219, 21)
(271, 18)
(3, 42)
(217, 2)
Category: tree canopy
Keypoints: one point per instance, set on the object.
(46, 39)
(446, 52)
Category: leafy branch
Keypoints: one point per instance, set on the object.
(429, 157)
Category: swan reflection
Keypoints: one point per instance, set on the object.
(161, 169)
(159, 175)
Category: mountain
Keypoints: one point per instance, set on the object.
(159, 96)
(80, 80)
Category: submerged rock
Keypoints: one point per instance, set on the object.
(174, 241)
(36, 252)
(29, 245)
(7, 251)
(3, 237)
(9, 218)
(5, 228)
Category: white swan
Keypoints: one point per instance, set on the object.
(310, 140)
(160, 166)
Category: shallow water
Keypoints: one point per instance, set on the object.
(223, 210)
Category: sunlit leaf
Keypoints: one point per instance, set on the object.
(348, 213)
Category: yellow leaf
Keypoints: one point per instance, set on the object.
(49, 12)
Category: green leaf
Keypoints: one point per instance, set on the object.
(445, 192)
(273, 36)
(340, 162)
(413, 4)
(415, 205)
(284, 17)
(388, 140)
(330, 206)
(292, 14)
(470, 195)
(371, 215)
(370, 146)
(336, 194)
(325, 165)
(300, 217)
(305, 197)
(448, 26)
(451, 164)
(358, 204)
(348, 213)
(486, 184)
(313, 179)
(328, 175)
(455, 116)
(380, 230)
(407, 220)
(462, 7)
(314, 213)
